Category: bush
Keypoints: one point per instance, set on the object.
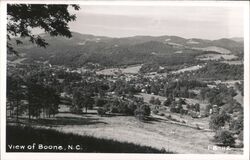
(152, 100)
(142, 111)
(173, 110)
(75, 110)
(240, 136)
(157, 101)
(225, 138)
(162, 114)
(237, 124)
(217, 121)
(167, 102)
(101, 111)
(155, 111)
(100, 102)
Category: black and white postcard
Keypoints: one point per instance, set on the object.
(124, 80)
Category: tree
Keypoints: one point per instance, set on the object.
(218, 120)
(100, 102)
(82, 98)
(197, 107)
(236, 125)
(53, 19)
(167, 102)
(207, 110)
(52, 100)
(157, 101)
(101, 111)
(15, 94)
(142, 111)
(224, 138)
(152, 100)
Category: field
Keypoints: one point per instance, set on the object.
(233, 62)
(189, 121)
(192, 68)
(68, 142)
(128, 70)
(212, 56)
(157, 133)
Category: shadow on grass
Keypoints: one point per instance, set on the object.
(20, 135)
(57, 121)
(151, 120)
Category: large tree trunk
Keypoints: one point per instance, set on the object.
(17, 111)
(29, 107)
(29, 112)
(86, 109)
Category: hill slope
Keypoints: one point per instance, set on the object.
(81, 49)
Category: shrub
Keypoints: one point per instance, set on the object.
(100, 102)
(207, 110)
(76, 110)
(157, 101)
(152, 100)
(114, 109)
(172, 109)
(101, 111)
(217, 121)
(142, 111)
(162, 114)
(225, 138)
(240, 136)
(237, 124)
(155, 111)
(167, 102)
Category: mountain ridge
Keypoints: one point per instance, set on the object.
(84, 48)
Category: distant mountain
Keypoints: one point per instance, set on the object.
(237, 39)
(107, 51)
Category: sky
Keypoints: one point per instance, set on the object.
(212, 22)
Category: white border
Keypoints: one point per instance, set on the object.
(44, 156)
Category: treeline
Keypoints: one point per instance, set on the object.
(181, 88)
(219, 95)
(132, 106)
(227, 115)
(220, 71)
(33, 95)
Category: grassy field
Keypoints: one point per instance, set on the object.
(128, 70)
(233, 62)
(201, 122)
(212, 56)
(192, 68)
(20, 135)
(157, 133)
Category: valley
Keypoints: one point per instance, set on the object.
(176, 100)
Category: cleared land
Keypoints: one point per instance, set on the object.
(157, 133)
(192, 68)
(214, 49)
(212, 56)
(233, 62)
(114, 71)
(202, 123)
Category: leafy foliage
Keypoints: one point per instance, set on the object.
(53, 19)
(142, 112)
(82, 98)
(225, 138)
(218, 120)
(220, 71)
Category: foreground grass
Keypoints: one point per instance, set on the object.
(24, 135)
